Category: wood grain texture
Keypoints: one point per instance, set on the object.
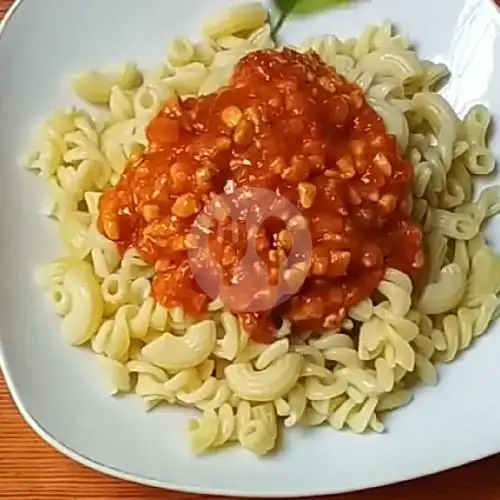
(31, 470)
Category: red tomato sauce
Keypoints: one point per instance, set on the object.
(290, 124)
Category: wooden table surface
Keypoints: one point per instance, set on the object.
(30, 469)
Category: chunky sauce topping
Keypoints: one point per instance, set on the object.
(289, 124)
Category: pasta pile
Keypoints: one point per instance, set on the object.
(247, 391)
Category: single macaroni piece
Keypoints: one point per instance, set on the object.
(446, 293)
(399, 65)
(251, 351)
(295, 405)
(233, 42)
(116, 374)
(211, 394)
(312, 418)
(217, 428)
(185, 380)
(178, 353)
(180, 52)
(346, 356)
(95, 87)
(85, 315)
(455, 225)
(318, 371)
(74, 233)
(394, 400)
(269, 384)
(115, 336)
(120, 104)
(394, 120)
(114, 140)
(152, 390)
(331, 340)
(311, 355)
(260, 433)
(483, 277)
(205, 51)
(486, 206)
(149, 99)
(116, 289)
(405, 325)
(442, 119)
(399, 298)
(480, 160)
(345, 411)
(459, 330)
(233, 341)
(60, 299)
(133, 266)
(137, 366)
(237, 19)
(272, 353)
(326, 47)
(315, 390)
(476, 124)
(83, 142)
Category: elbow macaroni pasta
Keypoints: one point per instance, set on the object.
(237, 19)
(246, 390)
(175, 353)
(269, 384)
(95, 87)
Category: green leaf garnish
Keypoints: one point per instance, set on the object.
(302, 7)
